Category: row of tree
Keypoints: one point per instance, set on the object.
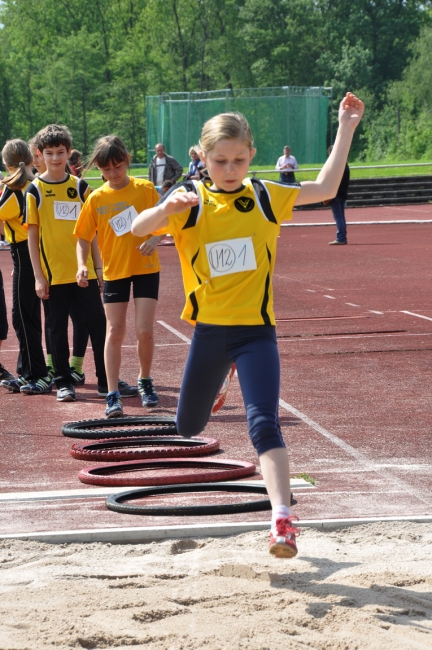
(90, 65)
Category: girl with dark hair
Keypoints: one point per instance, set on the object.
(127, 260)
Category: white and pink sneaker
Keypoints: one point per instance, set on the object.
(282, 538)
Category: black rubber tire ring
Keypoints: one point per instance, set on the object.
(97, 429)
(121, 449)
(116, 503)
(103, 474)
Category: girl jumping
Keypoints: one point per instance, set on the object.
(226, 233)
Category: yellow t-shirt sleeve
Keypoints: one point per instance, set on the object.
(86, 225)
(282, 200)
(9, 206)
(32, 212)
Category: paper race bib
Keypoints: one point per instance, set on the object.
(122, 222)
(231, 256)
(67, 210)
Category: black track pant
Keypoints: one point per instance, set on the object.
(3, 312)
(26, 315)
(87, 300)
(80, 332)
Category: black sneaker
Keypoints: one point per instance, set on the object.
(78, 378)
(51, 372)
(13, 385)
(124, 389)
(114, 408)
(148, 394)
(66, 394)
(5, 374)
(38, 387)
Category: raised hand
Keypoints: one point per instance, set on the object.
(351, 111)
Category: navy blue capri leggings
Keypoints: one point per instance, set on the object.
(253, 348)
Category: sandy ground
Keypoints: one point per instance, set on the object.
(368, 586)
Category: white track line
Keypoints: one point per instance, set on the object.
(174, 331)
(301, 339)
(334, 439)
(403, 208)
(331, 297)
(410, 313)
(352, 304)
(354, 453)
(100, 493)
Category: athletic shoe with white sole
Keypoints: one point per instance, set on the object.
(114, 408)
(148, 394)
(223, 391)
(125, 390)
(66, 394)
(14, 385)
(78, 378)
(38, 387)
(282, 538)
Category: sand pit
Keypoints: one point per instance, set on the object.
(367, 586)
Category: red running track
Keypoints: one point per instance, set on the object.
(355, 333)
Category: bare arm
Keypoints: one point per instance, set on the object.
(326, 185)
(41, 283)
(154, 218)
(83, 250)
(148, 246)
(97, 261)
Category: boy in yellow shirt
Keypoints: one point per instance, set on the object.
(53, 203)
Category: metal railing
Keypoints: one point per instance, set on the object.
(302, 169)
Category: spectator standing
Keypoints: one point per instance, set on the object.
(286, 165)
(338, 207)
(196, 166)
(164, 167)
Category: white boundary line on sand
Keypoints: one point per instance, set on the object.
(152, 533)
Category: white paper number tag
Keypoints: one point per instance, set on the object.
(231, 256)
(122, 222)
(67, 210)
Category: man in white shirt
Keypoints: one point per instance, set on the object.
(164, 167)
(286, 165)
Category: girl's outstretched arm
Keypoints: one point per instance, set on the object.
(154, 218)
(326, 185)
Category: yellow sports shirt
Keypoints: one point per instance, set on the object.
(12, 204)
(227, 249)
(110, 213)
(55, 207)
